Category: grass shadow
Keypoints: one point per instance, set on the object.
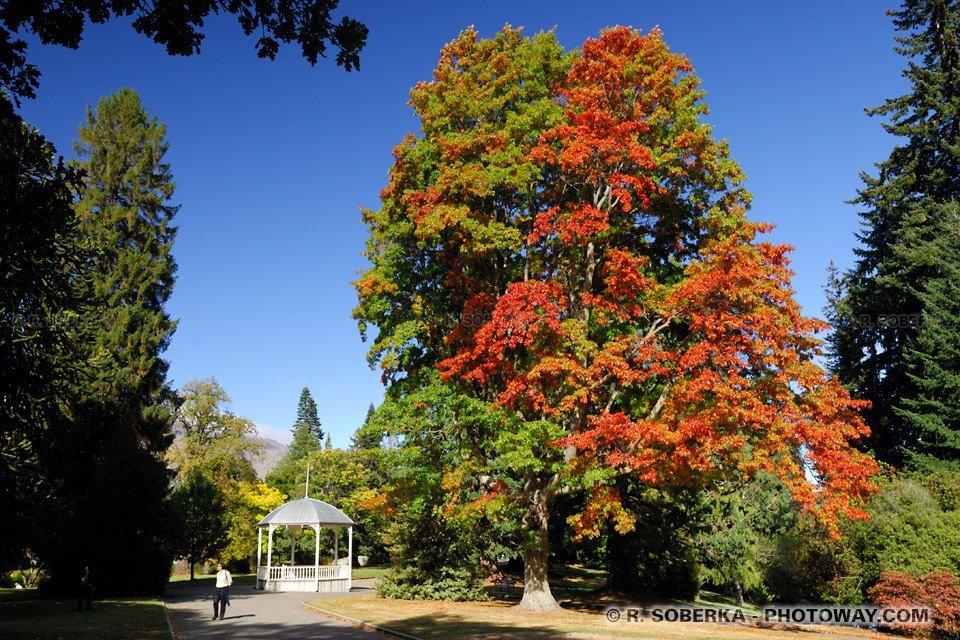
(42, 617)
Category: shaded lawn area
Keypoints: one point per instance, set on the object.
(499, 619)
(27, 615)
(582, 616)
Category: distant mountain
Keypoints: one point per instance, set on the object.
(273, 453)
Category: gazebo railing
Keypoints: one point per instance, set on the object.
(301, 573)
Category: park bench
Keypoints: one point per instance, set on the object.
(504, 583)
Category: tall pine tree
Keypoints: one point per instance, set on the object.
(368, 436)
(307, 438)
(879, 349)
(934, 358)
(109, 458)
(307, 434)
(127, 219)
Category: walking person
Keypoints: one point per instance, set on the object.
(86, 589)
(221, 594)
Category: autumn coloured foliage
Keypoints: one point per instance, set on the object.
(567, 246)
(940, 591)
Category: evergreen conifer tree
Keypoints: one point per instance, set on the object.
(307, 434)
(127, 220)
(934, 359)
(109, 455)
(307, 438)
(878, 306)
(368, 436)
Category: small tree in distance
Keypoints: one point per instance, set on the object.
(307, 438)
(200, 506)
(368, 436)
(307, 434)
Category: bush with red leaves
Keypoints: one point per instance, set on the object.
(940, 591)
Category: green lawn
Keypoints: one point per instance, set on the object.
(25, 615)
(714, 599)
(373, 571)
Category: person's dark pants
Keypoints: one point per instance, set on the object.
(85, 594)
(219, 599)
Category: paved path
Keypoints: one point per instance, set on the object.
(258, 614)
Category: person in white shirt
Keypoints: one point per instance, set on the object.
(221, 594)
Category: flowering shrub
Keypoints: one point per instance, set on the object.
(940, 591)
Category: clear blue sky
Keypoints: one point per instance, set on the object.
(274, 158)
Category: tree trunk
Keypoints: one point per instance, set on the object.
(623, 575)
(536, 558)
(738, 593)
(191, 570)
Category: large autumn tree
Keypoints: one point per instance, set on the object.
(568, 247)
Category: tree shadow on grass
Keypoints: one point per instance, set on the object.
(505, 622)
(57, 618)
(446, 625)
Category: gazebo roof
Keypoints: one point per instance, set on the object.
(306, 511)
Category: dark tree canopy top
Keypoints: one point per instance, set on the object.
(177, 26)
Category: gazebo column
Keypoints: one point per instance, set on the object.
(259, 551)
(349, 558)
(269, 551)
(336, 545)
(316, 556)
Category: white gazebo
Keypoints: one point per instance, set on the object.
(303, 514)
